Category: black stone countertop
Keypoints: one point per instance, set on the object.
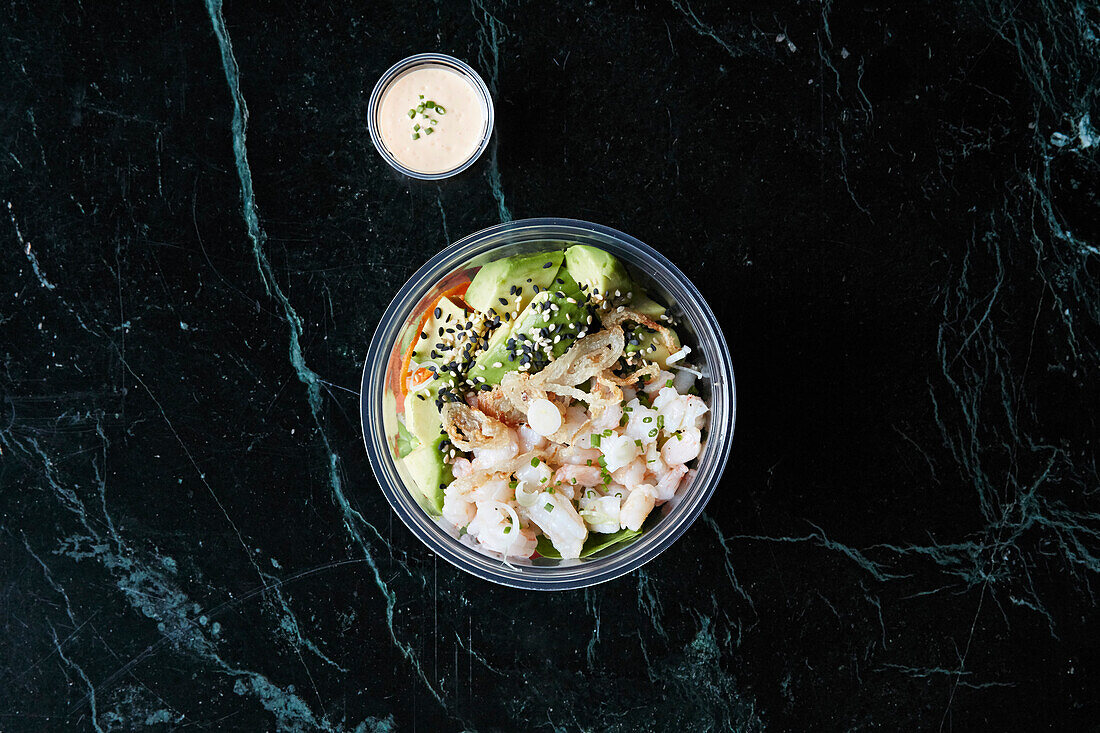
(893, 211)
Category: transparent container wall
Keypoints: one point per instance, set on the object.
(459, 263)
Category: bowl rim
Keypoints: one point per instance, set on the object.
(647, 546)
(411, 62)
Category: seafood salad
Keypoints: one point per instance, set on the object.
(548, 406)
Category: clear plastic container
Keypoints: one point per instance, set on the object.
(456, 263)
(406, 65)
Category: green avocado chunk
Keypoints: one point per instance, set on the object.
(559, 312)
(501, 279)
(599, 272)
(449, 315)
(422, 415)
(650, 346)
(430, 473)
(644, 304)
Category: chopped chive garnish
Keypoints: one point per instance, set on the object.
(416, 136)
(513, 484)
(429, 131)
(420, 95)
(548, 507)
(534, 462)
(416, 127)
(441, 110)
(647, 419)
(638, 442)
(660, 421)
(607, 433)
(549, 490)
(679, 436)
(653, 433)
(429, 104)
(507, 530)
(412, 113)
(596, 439)
(420, 108)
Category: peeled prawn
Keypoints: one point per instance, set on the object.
(682, 447)
(639, 503)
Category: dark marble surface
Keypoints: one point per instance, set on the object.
(893, 210)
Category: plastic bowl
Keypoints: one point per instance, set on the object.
(661, 278)
(414, 62)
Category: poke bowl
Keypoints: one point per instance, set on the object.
(548, 404)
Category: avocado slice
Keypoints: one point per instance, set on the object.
(644, 304)
(645, 339)
(430, 473)
(505, 352)
(422, 418)
(501, 279)
(597, 271)
(450, 314)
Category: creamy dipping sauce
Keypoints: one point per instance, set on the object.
(431, 119)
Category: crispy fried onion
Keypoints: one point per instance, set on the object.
(585, 359)
(649, 370)
(495, 404)
(469, 428)
(590, 358)
(620, 315)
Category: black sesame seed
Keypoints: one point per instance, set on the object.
(423, 335)
(438, 312)
(503, 301)
(560, 281)
(547, 265)
(507, 316)
(485, 388)
(560, 294)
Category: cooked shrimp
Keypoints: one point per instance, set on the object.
(630, 475)
(558, 519)
(487, 459)
(658, 382)
(458, 509)
(618, 451)
(495, 489)
(461, 467)
(682, 447)
(601, 513)
(535, 477)
(576, 456)
(529, 440)
(670, 481)
(573, 475)
(497, 528)
(642, 424)
(639, 503)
